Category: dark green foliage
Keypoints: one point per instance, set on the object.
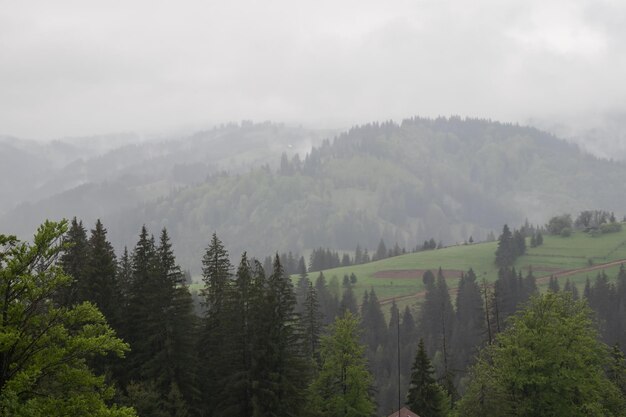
(616, 371)
(437, 324)
(373, 321)
(312, 324)
(588, 220)
(348, 302)
(611, 228)
(425, 396)
(98, 283)
(510, 246)
(125, 276)
(216, 272)
(329, 305)
(607, 300)
(302, 288)
(280, 367)
(381, 251)
(73, 261)
(321, 259)
(160, 325)
(216, 329)
(470, 329)
(571, 288)
(557, 224)
(553, 284)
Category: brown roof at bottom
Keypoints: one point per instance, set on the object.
(404, 412)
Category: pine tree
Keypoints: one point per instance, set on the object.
(73, 261)
(470, 315)
(425, 396)
(99, 281)
(373, 321)
(328, 303)
(236, 386)
(505, 254)
(216, 273)
(381, 252)
(160, 325)
(553, 284)
(280, 365)
(215, 329)
(312, 324)
(125, 276)
(348, 302)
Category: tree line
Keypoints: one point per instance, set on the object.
(262, 347)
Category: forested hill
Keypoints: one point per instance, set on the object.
(444, 178)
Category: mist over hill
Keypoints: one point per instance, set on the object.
(447, 178)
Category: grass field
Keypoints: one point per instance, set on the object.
(400, 277)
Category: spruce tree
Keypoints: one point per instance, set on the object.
(237, 383)
(215, 328)
(373, 321)
(470, 315)
(553, 284)
(281, 366)
(425, 396)
(312, 324)
(505, 254)
(99, 282)
(73, 261)
(348, 302)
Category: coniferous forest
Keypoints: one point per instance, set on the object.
(87, 331)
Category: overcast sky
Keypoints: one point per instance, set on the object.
(71, 68)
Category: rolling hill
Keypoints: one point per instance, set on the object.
(446, 178)
(576, 258)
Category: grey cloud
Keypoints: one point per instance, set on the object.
(74, 68)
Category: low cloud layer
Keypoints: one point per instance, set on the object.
(75, 68)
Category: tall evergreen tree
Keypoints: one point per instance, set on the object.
(237, 385)
(216, 328)
(381, 251)
(373, 321)
(281, 366)
(470, 316)
(312, 324)
(99, 281)
(505, 254)
(329, 305)
(73, 261)
(425, 396)
(348, 302)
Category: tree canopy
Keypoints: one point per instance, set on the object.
(548, 362)
(44, 347)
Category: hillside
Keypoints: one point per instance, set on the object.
(576, 258)
(444, 178)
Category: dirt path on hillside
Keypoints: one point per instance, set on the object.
(541, 279)
(569, 272)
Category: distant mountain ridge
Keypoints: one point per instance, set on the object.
(447, 178)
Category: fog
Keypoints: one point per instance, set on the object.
(74, 68)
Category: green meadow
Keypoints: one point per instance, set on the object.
(400, 277)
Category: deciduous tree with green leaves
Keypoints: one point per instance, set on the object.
(343, 385)
(548, 362)
(44, 347)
